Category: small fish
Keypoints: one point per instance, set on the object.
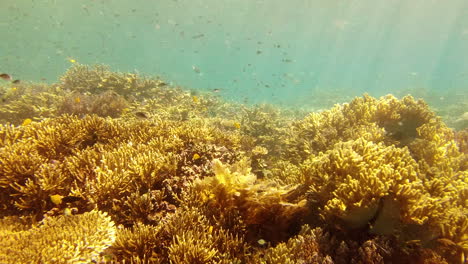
(67, 211)
(195, 156)
(196, 69)
(141, 114)
(259, 52)
(71, 199)
(71, 60)
(261, 242)
(56, 199)
(77, 100)
(237, 125)
(198, 36)
(195, 99)
(16, 81)
(26, 122)
(216, 90)
(5, 76)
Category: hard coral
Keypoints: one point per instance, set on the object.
(63, 239)
(388, 120)
(262, 207)
(105, 104)
(461, 138)
(191, 178)
(27, 100)
(350, 180)
(98, 79)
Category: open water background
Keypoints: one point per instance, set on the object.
(295, 53)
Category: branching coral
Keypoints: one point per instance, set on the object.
(361, 184)
(387, 120)
(461, 138)
(102, 164)
(318, 246)
(139, 244)
(350, 180)
(63, 239)
(303, 248)
(184, 237)
(189, 178)
(263, 208)
(26, 101)
(104, 104)
(98, 79)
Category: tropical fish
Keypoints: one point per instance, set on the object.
(26, 122)
(71, 199)
(195, 99)
(141, 114)
(261, 242)
(56, 199)
(5, 76)
(195, 156)
(16, 81)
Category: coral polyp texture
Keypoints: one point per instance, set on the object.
(63, 239)
(109, 167)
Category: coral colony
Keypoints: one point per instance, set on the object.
(108, 167)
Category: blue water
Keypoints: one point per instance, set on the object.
(284, 52)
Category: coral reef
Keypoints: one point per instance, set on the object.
(262, 208)
(121, 168)
(63, 239)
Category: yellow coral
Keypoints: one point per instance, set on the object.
(349, 180)
(63, 239)
(388, 120)
(261, 206)
(175, 172)
(235, 179)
